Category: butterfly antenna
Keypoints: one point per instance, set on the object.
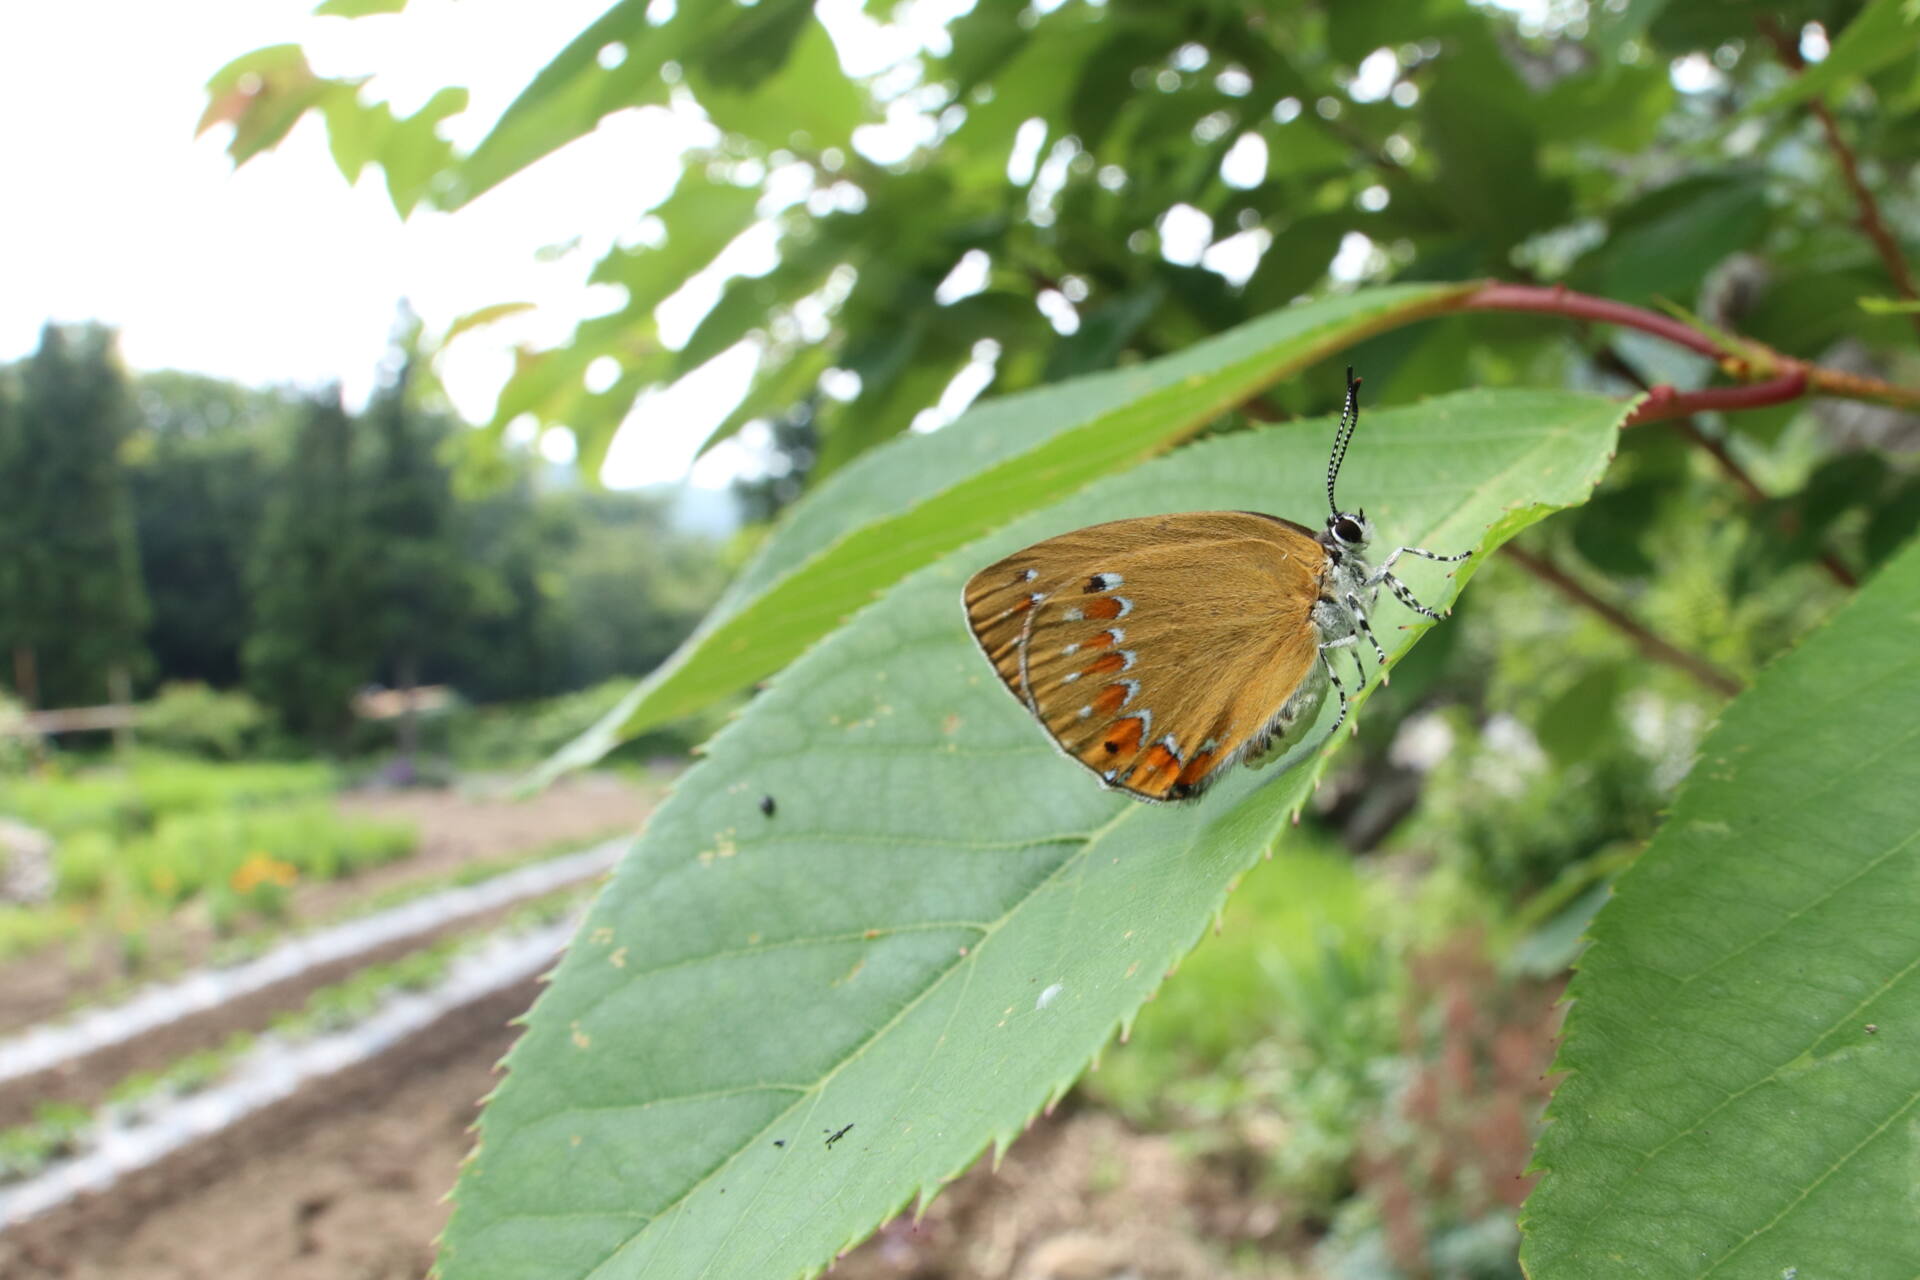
(1349, 419)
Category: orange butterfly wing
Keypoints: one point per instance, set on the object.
(1157, 650)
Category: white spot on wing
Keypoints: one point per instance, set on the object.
(1070, 677)
(1070, 650)
(1127, 654)
(1074, 615)
(1126, 606)
(1030, 575)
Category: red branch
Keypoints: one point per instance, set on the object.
(1582, 306)
(1747, 361)
(1665, 401)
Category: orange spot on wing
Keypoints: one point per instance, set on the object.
(1123, 739)
(1102, 641)
(1103, 608)
(1101, 666)
(1156, 771)
(1111, 699)
(1198, 767)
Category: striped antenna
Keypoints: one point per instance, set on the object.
(1349, 419)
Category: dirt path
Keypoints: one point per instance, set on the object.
(345, 1180)
(454, 830)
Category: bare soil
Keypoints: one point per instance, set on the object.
(348, 1182)
(347, 1179)
(454, 829)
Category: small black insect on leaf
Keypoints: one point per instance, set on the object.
(835, 1137)
(767, 805)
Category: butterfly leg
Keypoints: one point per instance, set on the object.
(1359, 611)
(1383, 576)
(1405, 596)
(1385, 570)
(1339, 690)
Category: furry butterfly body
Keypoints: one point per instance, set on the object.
(1159, 651)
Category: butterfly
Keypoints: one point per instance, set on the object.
(1159, 651)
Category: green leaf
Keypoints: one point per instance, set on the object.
(701, 218)
(1889, 306)
(413, 153)
(263, 94)
(942, 920)
(806, 94)
(1481, 124)
(1884, 32)
(483, 316)
(1663, 244)
(358, 8)
(572, 93)
(1743, 1047)
(897, 507)
(780, 383)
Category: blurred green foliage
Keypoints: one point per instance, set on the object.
(519, 735)
(188, 717)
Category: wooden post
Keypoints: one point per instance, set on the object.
(26, 677)
(120, 689)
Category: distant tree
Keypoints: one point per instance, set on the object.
(512, 644)
(630, 588)
(204, 462)
(419, 582)
(71, 602)
(311, 643)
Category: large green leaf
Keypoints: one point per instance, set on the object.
(1744, 1043)
(897, 507)
(940, 922)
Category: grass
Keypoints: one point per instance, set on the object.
(135, 843)
(64, 799)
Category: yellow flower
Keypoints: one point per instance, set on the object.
(262, 868)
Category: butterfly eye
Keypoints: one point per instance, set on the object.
(1348, 530)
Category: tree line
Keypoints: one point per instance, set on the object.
(168, 526)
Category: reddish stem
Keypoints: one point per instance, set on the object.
(1747, 362)
(1565, 302)
(1666, 401)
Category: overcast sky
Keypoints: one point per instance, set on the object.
(279, 272)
